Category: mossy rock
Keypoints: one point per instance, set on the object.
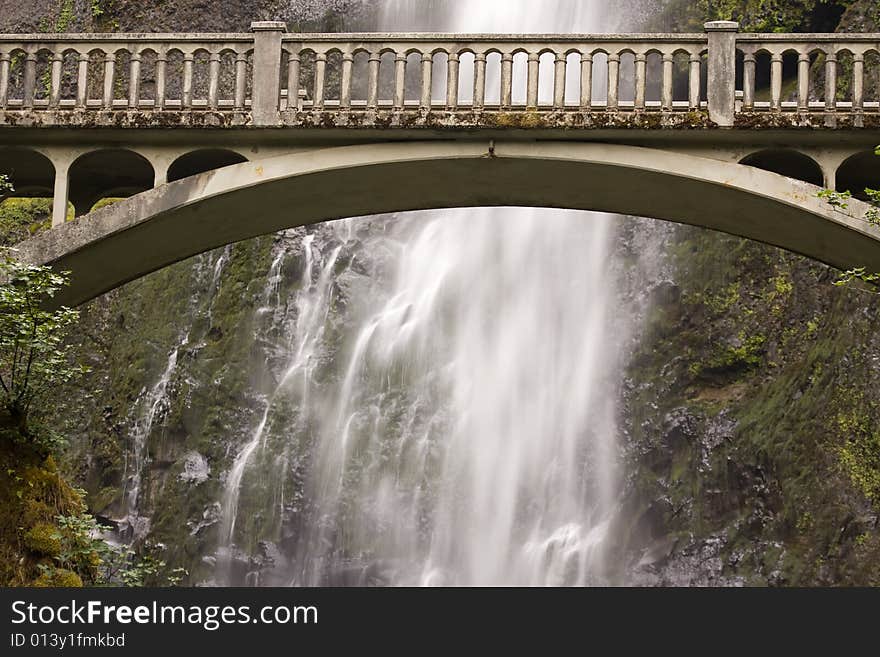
(58, 578)
(43, 538)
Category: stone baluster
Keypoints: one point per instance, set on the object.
(55, 88)
(241, 81)
(803, 82)
(399, 80)
(452, 81)
(109, 74)
(427, 81)
(82, 81)
(641, 81)
(858, 99)
(534, 66)
(320, 77)
(214, 80)
(831, 82)
(776, 81)
(666, 99)
(559, 81)
(373, 82)
(586, 82)
(506, 80)
(187, 95)
(694, 80)
(161, 77)
(293, 71)
(30, 77)
(748, 82)
(613, 81)
(5, 58)
(666, 96)
(345, 82)
(479, 81)
(134, 80)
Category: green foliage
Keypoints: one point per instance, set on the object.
(5, 185)
(835, 199)
(66, 14)
(21, 218)
(857, 274)
(860, 454)
(33, 357)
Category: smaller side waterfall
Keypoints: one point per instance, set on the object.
(154, 401)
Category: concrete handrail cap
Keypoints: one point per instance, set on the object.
(269, 26)
(722, 26)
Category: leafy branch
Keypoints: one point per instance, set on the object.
(34, 358)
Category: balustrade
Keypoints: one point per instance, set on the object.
(721, 71)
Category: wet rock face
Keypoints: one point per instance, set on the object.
(195, 469)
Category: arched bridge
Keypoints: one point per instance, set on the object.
(221, 137)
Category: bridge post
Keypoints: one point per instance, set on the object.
(267, 71)
(721, 88)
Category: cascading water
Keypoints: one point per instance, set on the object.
(154, 401)
(446, 412)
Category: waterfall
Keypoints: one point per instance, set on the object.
(445, 414)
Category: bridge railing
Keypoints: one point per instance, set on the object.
(273, 77)
(809, 72)
(126, 71)
(483, 72)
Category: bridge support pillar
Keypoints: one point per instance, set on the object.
(267, 71)
(721, 91)
(59, 197)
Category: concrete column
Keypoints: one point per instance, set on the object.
(427, 72)
(613, 81)
(640, 82)
(399, 80)
(320, 78)
(55, 91)
(532, 79)
(30, 78)
(452, 81)
(858, 99)
(694, 82)
(345, 85)
(479, 81)
(59, 197)
(134, 81)
(559, 81)
(666, 97)
(267, 71)
(721, 90)
(803, 82)
(4, 78)
(776, 82)
(506, 80)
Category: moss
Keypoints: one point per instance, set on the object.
(43, 539)
(57, 578)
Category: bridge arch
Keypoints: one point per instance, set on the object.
(31, 173)
(787, 162)
(858, 172)
(200, 161)
(108, 173)
(175, 221)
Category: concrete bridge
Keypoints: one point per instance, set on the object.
(221, 137)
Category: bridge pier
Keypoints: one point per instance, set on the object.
(60, 195)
